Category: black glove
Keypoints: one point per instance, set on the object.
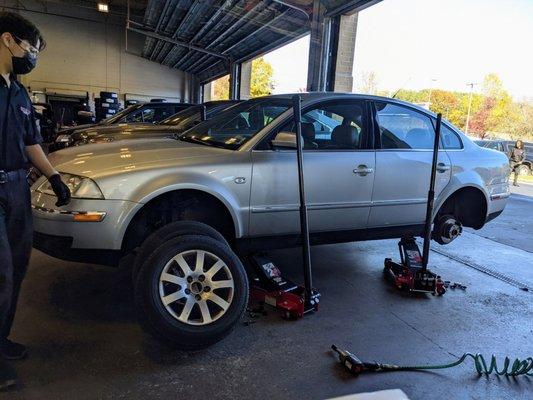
(60, 189)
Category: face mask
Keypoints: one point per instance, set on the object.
(23, 65)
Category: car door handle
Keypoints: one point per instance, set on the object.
(363, 170)
(441, 167)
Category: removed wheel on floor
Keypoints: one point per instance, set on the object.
(191, 292)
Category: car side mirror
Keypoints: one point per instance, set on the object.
(285, 140)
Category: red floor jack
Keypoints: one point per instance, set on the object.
(269, 286)
(412, 273)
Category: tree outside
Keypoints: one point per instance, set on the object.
(261, 84)
(493, 112)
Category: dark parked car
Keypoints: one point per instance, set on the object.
(143, 113)
(172, 125)
(505, 146)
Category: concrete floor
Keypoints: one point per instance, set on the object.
(79, 323)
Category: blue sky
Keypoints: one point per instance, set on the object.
(409, 43)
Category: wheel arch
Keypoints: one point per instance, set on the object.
(469, 197)
(171, 205)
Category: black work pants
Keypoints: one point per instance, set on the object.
(16, 234)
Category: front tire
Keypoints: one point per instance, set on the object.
(167, 232)
(191, 292)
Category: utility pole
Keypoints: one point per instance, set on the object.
(433, 80)
(471, 84)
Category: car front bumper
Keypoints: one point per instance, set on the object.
(51, 222)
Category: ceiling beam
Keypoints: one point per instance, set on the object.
(174, 41)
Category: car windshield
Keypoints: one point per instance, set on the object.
(176, 119)
(118, 116)
(233, 127)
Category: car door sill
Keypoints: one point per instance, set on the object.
(270, 242)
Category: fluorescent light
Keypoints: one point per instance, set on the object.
(103, 7)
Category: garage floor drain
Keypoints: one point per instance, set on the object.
(485, 270)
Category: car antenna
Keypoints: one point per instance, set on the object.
(401, 87)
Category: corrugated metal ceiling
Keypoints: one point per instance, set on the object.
(236, 30)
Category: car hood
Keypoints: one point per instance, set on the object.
(102, 159)
(91, 131)
(73, 129)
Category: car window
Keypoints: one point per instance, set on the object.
(450, 140)
(403, 128)
(233, 127)
(336, 125)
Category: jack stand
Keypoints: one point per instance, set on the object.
(271, 288)
(412, 274)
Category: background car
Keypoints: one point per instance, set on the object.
(506, 146)
(367, 163)
(143, 113)
(172, 125)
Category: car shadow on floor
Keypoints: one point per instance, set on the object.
(92, 294)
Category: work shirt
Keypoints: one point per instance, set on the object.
(17, 125)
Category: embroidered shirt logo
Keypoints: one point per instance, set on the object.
(24, 110)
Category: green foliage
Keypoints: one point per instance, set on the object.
(261, 83)
(493, 112)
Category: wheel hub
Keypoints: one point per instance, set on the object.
(196, 287)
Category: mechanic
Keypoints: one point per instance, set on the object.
(516, 158)
(20, 44)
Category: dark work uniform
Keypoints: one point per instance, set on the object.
(17, 130)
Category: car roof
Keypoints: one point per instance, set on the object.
(317, 96)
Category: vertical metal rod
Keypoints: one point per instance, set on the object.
(304, 226)
(431, 194)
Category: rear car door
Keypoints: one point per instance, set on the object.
(338, 165)
(404, 154)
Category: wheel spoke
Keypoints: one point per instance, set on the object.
(200, 256)
(184, 316)
(183, 264)
(166, 277)
(173, 297)
(214, 269)
(219, 301)
(204, 309)
(222, 284)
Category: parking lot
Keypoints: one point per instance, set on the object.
(79, 323)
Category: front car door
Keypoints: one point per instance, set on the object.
(338, 168)
(404, 154)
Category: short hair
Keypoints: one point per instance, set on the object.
(21, 28)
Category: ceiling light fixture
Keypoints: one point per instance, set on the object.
(103, 7)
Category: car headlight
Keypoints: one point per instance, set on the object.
(80, 187)
(63, 139)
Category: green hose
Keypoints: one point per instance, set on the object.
(518, 367)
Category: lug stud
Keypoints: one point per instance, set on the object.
(201, 278)
(187, 291)
(207, 289)
(198, 297)
(189, 279)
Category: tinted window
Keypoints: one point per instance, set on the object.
(491, 145)
(334, 125)
(450, 139)
(403, 128)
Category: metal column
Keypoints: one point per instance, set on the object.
(235, 81)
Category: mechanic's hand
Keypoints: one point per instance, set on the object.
(60, 189)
